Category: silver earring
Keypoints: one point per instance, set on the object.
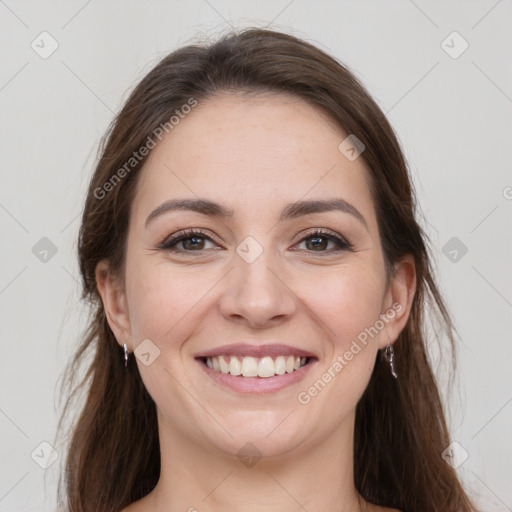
(390, 354)
(125, 355)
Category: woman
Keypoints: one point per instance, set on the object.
(258, 283)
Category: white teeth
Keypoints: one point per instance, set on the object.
(266, 367)
(253, 367)
(280, 365)
(224, 367)
(249, 367)
(235, 368)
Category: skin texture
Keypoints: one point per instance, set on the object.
(254, 155)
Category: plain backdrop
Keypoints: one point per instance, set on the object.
(450, 105)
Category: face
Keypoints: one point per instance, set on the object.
(268, 270)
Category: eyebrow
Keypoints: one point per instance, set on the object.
(290, 211)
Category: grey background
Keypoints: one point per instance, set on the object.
(452, 116)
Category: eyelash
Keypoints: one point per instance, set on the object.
(170, 243)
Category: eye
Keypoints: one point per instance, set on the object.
(319, 240)
(192, 240)
(196, 240)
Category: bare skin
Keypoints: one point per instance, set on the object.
(255, 156)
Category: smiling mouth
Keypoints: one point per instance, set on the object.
(263, 367)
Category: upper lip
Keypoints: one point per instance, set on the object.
(242, 349)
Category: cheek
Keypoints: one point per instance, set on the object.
(347, 301)
(161, 298)
(165, 307)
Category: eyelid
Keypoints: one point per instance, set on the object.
(169, 243)
(184, 235)
(339, 240)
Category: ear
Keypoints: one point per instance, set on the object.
(114, 300)
(398, 299)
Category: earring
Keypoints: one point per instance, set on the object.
(125, 355)
(390, 354)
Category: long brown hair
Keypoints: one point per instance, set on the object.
(113, 454)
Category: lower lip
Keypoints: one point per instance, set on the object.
(257, 385)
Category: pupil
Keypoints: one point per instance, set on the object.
(195, 240)
(315, 242)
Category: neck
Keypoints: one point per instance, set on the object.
(195, 478)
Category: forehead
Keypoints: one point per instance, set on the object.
(253, 154)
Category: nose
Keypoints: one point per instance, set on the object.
(256, 294)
